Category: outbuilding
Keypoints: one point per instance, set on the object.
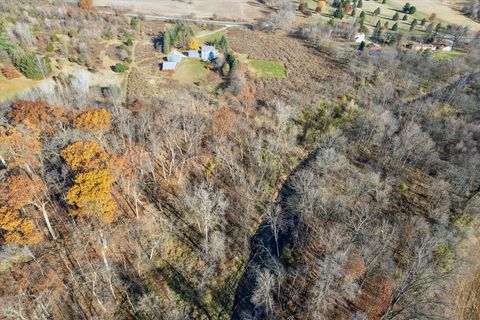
(169, 66)
(193, 54)
(175, 56)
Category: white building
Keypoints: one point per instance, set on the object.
(175, 56)
(208, 53)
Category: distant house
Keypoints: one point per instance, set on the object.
(169, 66)
(360, 37)
(193, 54)
(423, 47)
(444, 47)
(208, 53)
(175, 56)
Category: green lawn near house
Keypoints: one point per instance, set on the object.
(190, 70)
(263, 68)
(210, 36)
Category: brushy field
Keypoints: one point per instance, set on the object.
(10, 88)
(306, 68)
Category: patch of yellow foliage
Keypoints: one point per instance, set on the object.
(193, 44)
(85, 155)
(93, 120)
(91, 195)
(17, 229)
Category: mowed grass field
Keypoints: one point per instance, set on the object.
(263, 68)
(445, 14)
(190, 70)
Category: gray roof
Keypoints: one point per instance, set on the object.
(169, 65)
(193, 53)
(175, 57)
(208, 48)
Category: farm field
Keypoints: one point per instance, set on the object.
(230, 9)
(446, 14)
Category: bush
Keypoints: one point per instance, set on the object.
(33, 67)
(119, 67)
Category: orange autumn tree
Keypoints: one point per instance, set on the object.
(85, 4)
(36, 113)
(16, 192)
(19, 148)
(91, 193)
(93, 120)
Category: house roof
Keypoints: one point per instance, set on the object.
(169, 65)
(193, 53)
(208, 48)
(175, 56)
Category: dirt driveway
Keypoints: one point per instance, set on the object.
(230, 9)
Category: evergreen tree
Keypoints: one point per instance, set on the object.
(395, 27)
(360, 4)
(424, 21)
(396, 16)
(338, 13)
(384, 1)
(412, 10)
(376, 12)
(406, 7)
(362, 15)
(405, 18)
(413, 25)
(353, 13)
(361, 47)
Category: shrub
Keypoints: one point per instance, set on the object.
(34, 67)
(403, 186)
(10, 72)
(119, 67)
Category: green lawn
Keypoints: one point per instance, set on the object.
(190, 70)
(210, 36)
(387, 11)
(262, 68)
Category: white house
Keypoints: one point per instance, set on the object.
(208, 53)
(175, 56)
(169, 66)
(193, 54)
(360, 37)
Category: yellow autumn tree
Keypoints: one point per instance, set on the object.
(91, 195)
(85, 155)
(93, 120)
(193, 44)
